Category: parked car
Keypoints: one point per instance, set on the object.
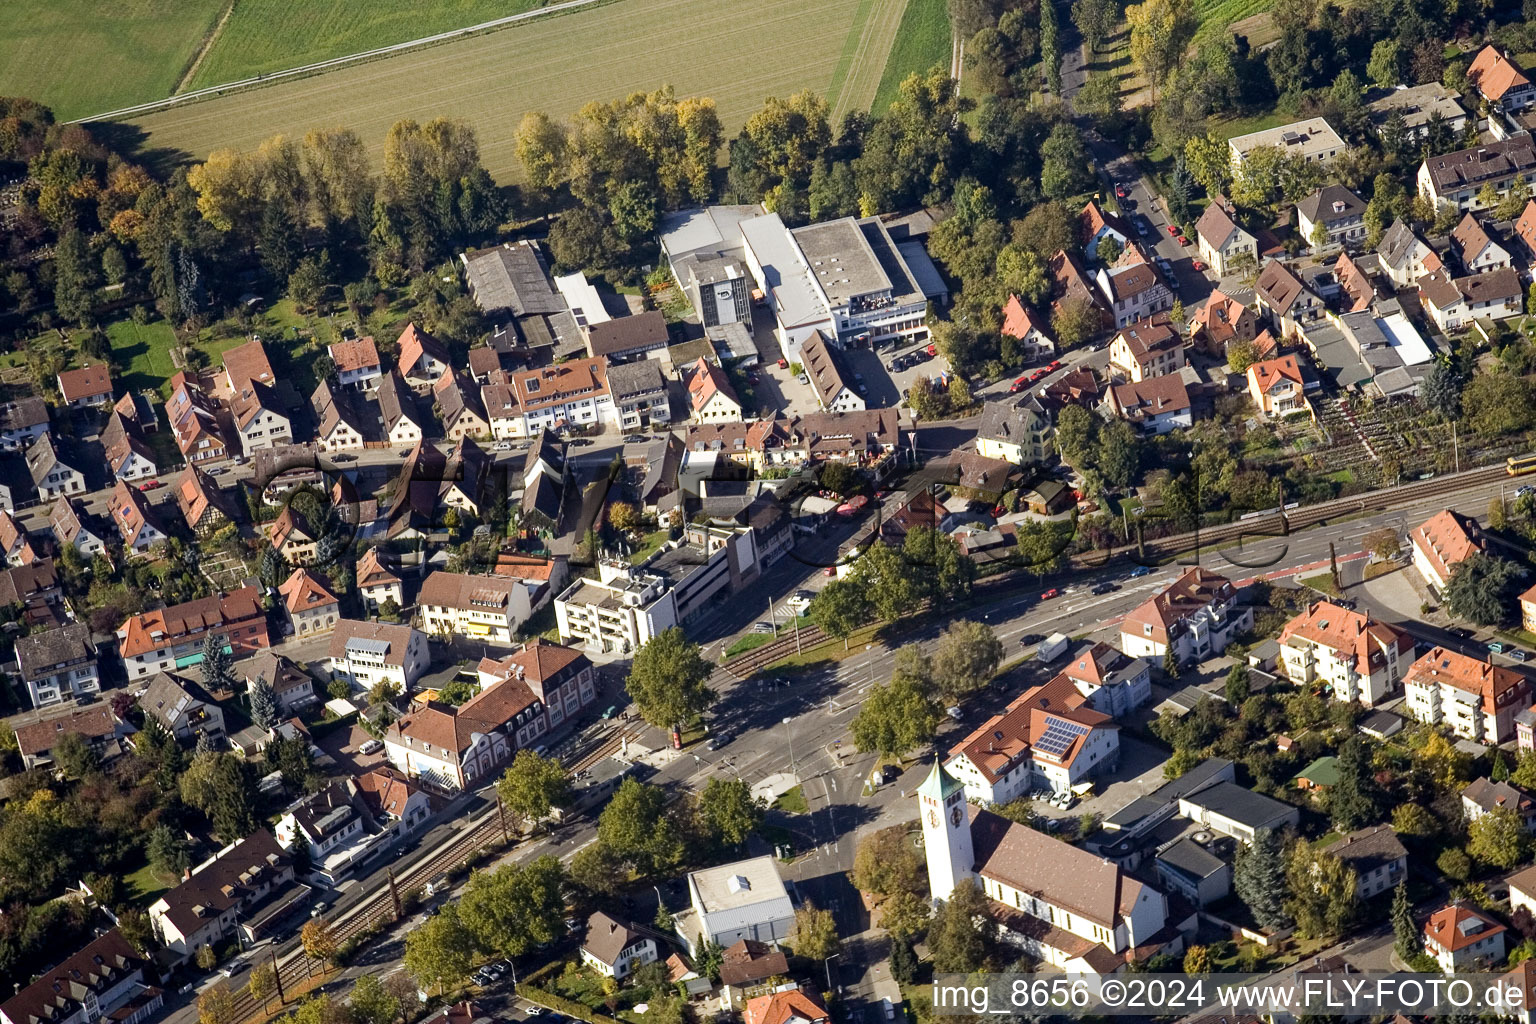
(502, 446)
(1143, 226)
(1140, 571)
(370, 747)
(805, 380)
(1197, 264)
(1106, 588)
(1517, 653)
(1029, 639)
(1183, 240)
(1050, 595)
(719, 740)
(1496, 646)
(344, 457)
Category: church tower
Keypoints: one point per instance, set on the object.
(946, 831)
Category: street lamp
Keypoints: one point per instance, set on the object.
(827, 963)
(791, 737)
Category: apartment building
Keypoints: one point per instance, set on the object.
(1313, 140)
(1377, 856)
(1457, 178)
(1017, 430)
(1147, 348)
(573, 394)
(1473, 699)
(245, 888)
(185, 710)
(107, 979)
(1134, 291)
(561, 678)
(1338, 212)
(1442, 542)
(200, 424)
(368, 653)
(1461, 938)
(172, 638)
(1453, 303)
(58, 664)
(639, 395)
(710, 395)
(308, 604)
(1114, 683)
(1197, 615)
(489, 608)
(1356, 657)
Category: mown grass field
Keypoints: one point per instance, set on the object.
(922, 41)
(82, 57)
(743, 51)
(263, 36)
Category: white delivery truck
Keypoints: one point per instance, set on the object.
(1053, 647)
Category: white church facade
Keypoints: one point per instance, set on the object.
(1062, 905)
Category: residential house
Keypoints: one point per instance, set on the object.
(308, 604)
(1197, 615)
(185, 709)
(1476, 248)
(245, 888)
(1522, 890)
(1067, 907)
(292, 686)
(1377, 856)
(1234, 811)
(128, 454)
(1358, 294)
(1134, 290)
(1075, 387)
(1419, 106)
(484, 361)
(376, 583)
(101, 730)
(1460, 938)
(639, 395)
(488, 608)
(58, 664)
(394, 801)
(368, 653)
(201, 426)
(1458, 178)
(1222, 243)
(203, 506)
(1016, 430)
(1220, 323)
(254, 407)
(15, 543)
(745, 899)
(136, 523)
(357, 363)
(1313, 139)
(1525, 229)
(1072, 285)
(67, 527)
(448, 748)
(1156, 405)
(1441, 542)
(1094, 225)
(832, 384)
(340, 425)
(1337, 213)
(107, 979)
(1147, 348)
(172, 638)
(710, 395)
(1357, 657)
(51, 475)
(1453, 303)
(457, 402)
(294, 536)
(1276, 387)
(397, 409)
(1475, 700)
(1114, 683)
(423, 358)
(615, 949)
(501, 408)
(1483, 796)
(1404, 257)
(788, 1005)
(572, 395)
(640, 336)
(1048, 738)
(1032, 343)
(1499, 80)
(85, 386)
(1285, 300)
(337, 827)
(23, 421)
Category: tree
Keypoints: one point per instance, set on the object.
(599, 869)
(1454, 864)
(1076, 321)
(1445, 767)
(667, 680)
(1094, 20)
(888, 581)
(887, 862)
(635, 825)
(319, 940)
(1322, 890)
(75, 757)
(1407, 935)
(216, 1005)
(730, 810)
(840, 608)
(205, 957)
(895, 718)
(1386, 65)
(1443, 388)
(1171, 663)
(1383, 543)
(1497, 403)
(263, 700)
(1198, 960)
(1413, 820)
(440, 950)
(167, 851)
(1259, 879)
(1050, 46)
(75, 277)
(532, 786)
(905, 916)
(1119, 457)
(1042, 545)
(1356, 800)
(1064, 161)
(1160, 30)
(1236, 689)
(968, 654)
(710, 959)
(541, 149)
(310, 280)
(263, 983)
(372, 1003)
(815, 933)
(1498, 838)
(516, 907)
(623, 517)
(216, 670)
(962, 931)
(1480, 588)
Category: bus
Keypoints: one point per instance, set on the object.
(1520, 466)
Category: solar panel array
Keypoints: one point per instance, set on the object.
(1058, 736)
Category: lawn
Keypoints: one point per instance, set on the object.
(792, 801)
(145, 885)
(922, 41)
(82, 57)
(741, 53)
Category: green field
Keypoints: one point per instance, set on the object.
(1216, 15)
(922, 41)
(743, 51)
(263, 36)
(82, 57)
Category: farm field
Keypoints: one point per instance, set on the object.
(263, 36)
(861, 66)
(742, 52)
(1216, 16)
(81, 57)
(922, 41)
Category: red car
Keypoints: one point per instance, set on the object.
(1053, 592)
(1020, 384)
(1197, 264)
(932, 351)
(1183, 240)
(829, 571)
(1172, 230)
(1055, 365)
(1121, 191)
(783, 364)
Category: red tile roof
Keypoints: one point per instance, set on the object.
(85, 382)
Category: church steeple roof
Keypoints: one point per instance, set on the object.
(940, 785)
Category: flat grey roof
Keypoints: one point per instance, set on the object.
(1190, 858)
(1243, 806)
(738, 885)
(796, 300)
(928, 278)
(713, 228)
(840, 256)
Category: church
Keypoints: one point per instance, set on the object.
(1062, 905)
